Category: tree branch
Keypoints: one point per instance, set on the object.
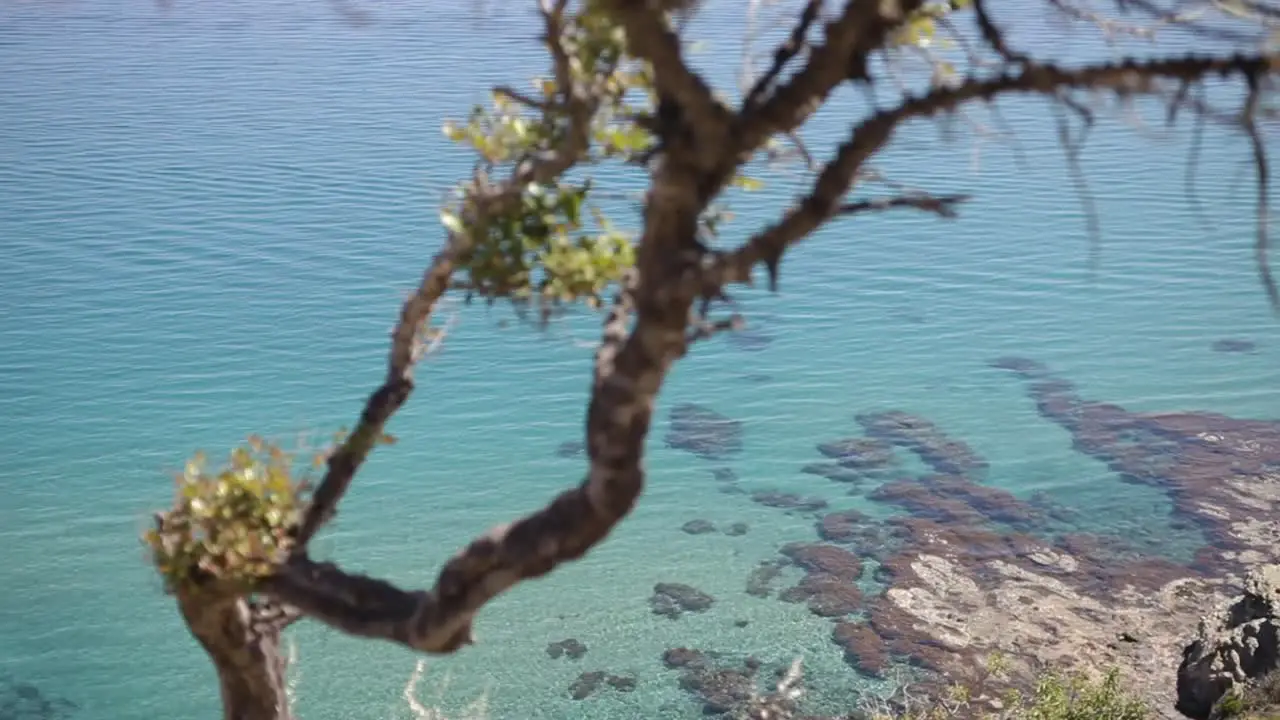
(650, 38)
(524, 99)
(439, 620)
(861, 28)
(993, 36)
(940, 205)
(784, 53)
(486, 201)
(823, 201)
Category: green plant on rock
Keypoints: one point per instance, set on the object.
(1258, 699)
(1060, 696)
(229, 526)
(1055, 695)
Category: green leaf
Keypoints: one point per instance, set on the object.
(451, 222)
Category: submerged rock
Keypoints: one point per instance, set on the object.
(788, 501)
(835, 472)
(721, 686)
(943, 453)
(698, 527)
(675, 599)
(760, 581)
(844, 526)
(570, 449)
(1024, 367)
(724, 475)
(737, 529)
(621, 683)
(1234, 345)
(863, 649)
(571, 648)
(828, 587)
(586, 684)
(957, 500)
(827, 596)
(22, 701)
(858, 453)
(704, 432)
(1221, 473)
(823, 559)
(1232, 646)
(720, 689)
(683, 657)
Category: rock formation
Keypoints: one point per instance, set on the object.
(698, 527)
(675, 599)
(1234, 645)
(571, 648)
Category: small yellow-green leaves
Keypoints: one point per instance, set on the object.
(451, 221)
(546, 249)
(542, 252)
(921, 27)
(230, 525)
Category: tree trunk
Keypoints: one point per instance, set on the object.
(251, 669)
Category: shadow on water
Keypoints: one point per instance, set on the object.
(24, 701)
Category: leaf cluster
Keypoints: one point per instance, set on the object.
(921, 27)
(229, 525)
(555, 245)
(544, 251)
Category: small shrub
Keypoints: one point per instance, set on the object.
(1056, 696)
(1061, 697)
(1258, 699)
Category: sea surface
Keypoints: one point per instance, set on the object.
(210, 212)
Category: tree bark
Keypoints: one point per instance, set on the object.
(246, 655)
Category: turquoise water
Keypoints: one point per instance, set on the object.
(208, 217)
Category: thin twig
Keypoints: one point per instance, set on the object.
(940, 205)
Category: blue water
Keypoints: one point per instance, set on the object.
(208, 217)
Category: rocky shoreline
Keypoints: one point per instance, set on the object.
(967, 570)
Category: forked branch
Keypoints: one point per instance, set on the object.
(824, 199)
(486, 200)
(863, 27)
(439, 620)
(650, 38)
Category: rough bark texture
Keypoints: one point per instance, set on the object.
(250, 666)
(703, 142)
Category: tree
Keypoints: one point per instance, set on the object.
(233, 548)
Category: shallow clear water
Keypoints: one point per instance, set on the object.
(209, 215)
